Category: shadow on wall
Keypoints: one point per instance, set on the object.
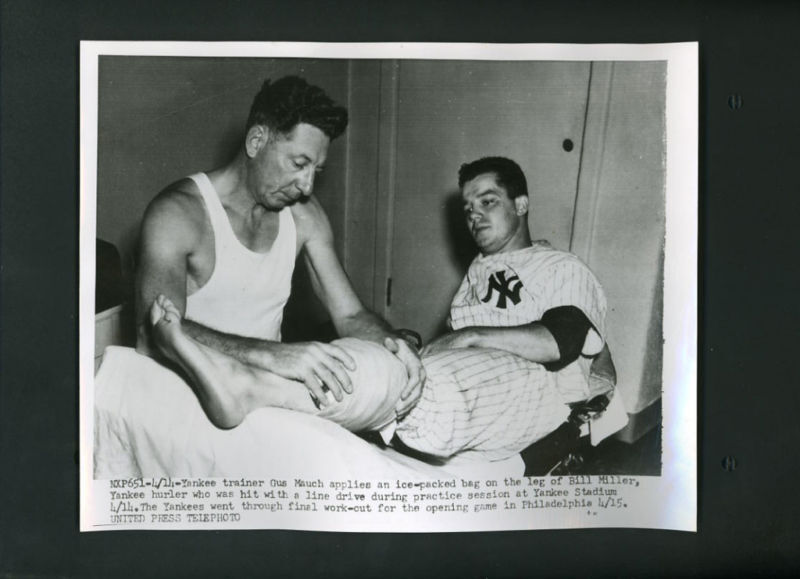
(462, 247)
(228, 145)
(305, 318)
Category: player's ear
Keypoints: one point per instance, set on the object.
(257, 137)
(521, 204)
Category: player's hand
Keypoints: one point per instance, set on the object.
(456, 339)
(416, 374)
(318, 365)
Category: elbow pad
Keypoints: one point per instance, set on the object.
(568, 326)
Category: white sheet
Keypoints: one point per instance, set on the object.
(149, 423)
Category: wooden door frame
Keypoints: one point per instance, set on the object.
(595, 128)
(387, 184)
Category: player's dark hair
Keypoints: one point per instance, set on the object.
(507, 173)
(282, 104)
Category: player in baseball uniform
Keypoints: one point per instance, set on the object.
(541, 310)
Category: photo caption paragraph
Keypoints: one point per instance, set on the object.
(171, 501)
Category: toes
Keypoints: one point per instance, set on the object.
(171, 308)
(156, 312)
(164, 311)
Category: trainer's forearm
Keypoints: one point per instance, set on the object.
(365, 325)
(250, 351)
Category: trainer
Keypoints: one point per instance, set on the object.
(222, 247)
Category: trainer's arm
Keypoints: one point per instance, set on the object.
(348, 314)
(169, 233)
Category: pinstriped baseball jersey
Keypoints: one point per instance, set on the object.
(515, 288)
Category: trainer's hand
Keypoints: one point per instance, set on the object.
(416, 374)
(456, 339)
(316, 364)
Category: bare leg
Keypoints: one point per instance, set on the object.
(228, 390)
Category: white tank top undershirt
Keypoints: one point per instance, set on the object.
(247, 291)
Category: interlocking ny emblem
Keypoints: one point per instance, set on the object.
(505, 288)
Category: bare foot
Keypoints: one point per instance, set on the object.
(208, 378)
(227, 389)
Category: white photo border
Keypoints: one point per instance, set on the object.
(678, 480)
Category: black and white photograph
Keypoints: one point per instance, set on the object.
(388, 288)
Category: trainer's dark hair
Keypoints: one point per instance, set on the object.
(507, 173)
(290, 100)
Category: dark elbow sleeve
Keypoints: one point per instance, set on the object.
(568, 326)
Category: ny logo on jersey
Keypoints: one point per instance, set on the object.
(505, 288)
